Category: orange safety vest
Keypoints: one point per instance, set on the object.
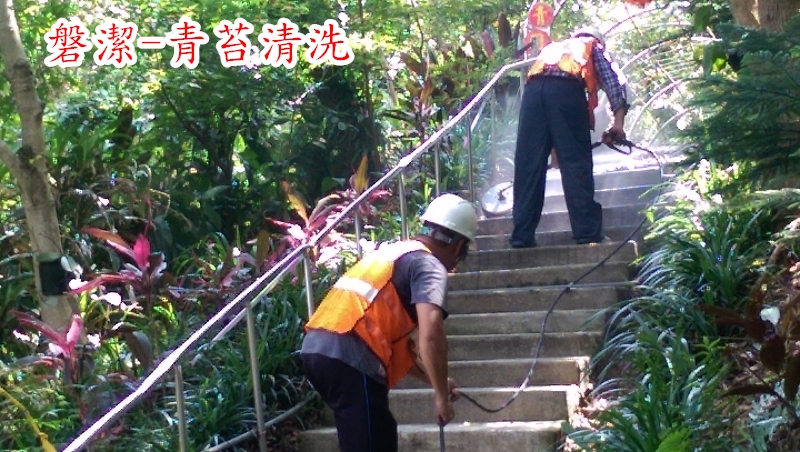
(573, 56)
(364, 300)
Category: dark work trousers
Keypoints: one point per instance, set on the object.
(360, 404)
(554, 113)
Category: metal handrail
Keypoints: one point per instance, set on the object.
(265, 282)
(170, 360)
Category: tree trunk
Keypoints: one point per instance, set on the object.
(743, 12)
(772, 14)
(29, 165)
(769, 14)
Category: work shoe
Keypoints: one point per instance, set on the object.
(604, 239)
(519, 246)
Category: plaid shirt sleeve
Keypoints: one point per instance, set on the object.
(611, 79)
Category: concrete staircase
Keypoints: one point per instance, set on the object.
(497, 301)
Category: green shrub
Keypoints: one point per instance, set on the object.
(672, 400)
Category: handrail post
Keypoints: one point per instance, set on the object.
(403, 216)
(180, 401)
(469, 159)
(357, 222)
(255, 374)
(307, 277)
(436, 173)
(492, 113)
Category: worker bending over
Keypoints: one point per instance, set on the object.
(358, 342)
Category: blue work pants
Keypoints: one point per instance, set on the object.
(554, 114)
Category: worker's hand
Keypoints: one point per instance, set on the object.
(444, 410)
(613, 135)
(453, 390)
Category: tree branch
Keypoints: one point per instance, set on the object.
(29, 167)
(11, 49)
(8, 157)
(556, 10)
(632, 17)
(19, 73)
(188, 125)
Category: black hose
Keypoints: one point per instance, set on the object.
(538, 348)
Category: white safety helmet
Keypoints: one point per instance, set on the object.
(454, 213)
(590, 31)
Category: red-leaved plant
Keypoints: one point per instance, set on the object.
(325, 212)
(62, 346)
(68, 355)
(142, 273)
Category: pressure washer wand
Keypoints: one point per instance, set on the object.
(608, 141)
(613, 142)
(500, 195)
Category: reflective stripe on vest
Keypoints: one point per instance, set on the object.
(365, 301)
(573, 56)
(363, 288)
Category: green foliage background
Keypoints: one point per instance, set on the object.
(198, 162)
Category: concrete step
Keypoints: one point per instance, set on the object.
(613, 217)
(542, 276)
(609, 180)
(637, 194)
(497, 301)
(556, 202)
(509, 372)
(543, 256)
(515, 346)
(537, 403)
(459, 437)
(533, 299)
(560, 238)
(522, 322)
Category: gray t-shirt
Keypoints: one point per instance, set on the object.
(418, 277)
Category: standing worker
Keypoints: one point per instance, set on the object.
(558, 111)
(358, 343)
